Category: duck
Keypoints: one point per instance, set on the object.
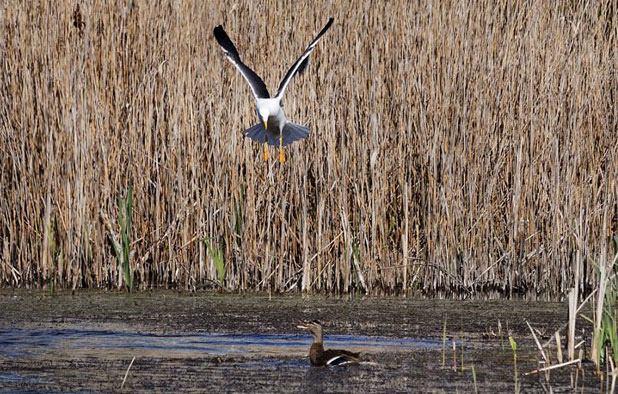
(330, 357)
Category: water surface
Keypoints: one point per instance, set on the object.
(211, 342)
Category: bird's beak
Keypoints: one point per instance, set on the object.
(265, 125)
(303, 327)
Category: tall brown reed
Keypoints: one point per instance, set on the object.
(455, 147)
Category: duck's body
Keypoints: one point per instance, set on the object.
(320, 357)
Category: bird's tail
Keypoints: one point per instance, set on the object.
(258, 133)
(294, 132)
(291, 132)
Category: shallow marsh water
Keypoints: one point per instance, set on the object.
(231, 343)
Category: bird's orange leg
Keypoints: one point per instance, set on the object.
(281, 154)
(265, 151)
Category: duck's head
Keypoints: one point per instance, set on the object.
(314, 327)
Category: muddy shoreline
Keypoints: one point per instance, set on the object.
(239, 343)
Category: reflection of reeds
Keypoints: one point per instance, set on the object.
(463, 139)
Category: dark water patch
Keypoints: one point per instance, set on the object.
(170, 311)
(11, 377)
(18, 342)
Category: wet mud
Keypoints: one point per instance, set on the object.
(206, 342)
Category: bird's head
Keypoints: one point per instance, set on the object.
(314, 327)
(264, 114)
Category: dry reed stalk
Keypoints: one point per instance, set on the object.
(126, 374)
(555, 366)
(467, 137)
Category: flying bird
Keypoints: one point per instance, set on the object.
(274, 128)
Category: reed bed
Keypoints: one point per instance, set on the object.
(456, 147)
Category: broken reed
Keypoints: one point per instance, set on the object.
(455, 148)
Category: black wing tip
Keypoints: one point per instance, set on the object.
(325, 28)
(224, 40)
(219, 33)
(329, 23)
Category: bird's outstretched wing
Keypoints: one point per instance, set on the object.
(257, 85)
(300, 64)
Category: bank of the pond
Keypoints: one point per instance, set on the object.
(206, 341)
